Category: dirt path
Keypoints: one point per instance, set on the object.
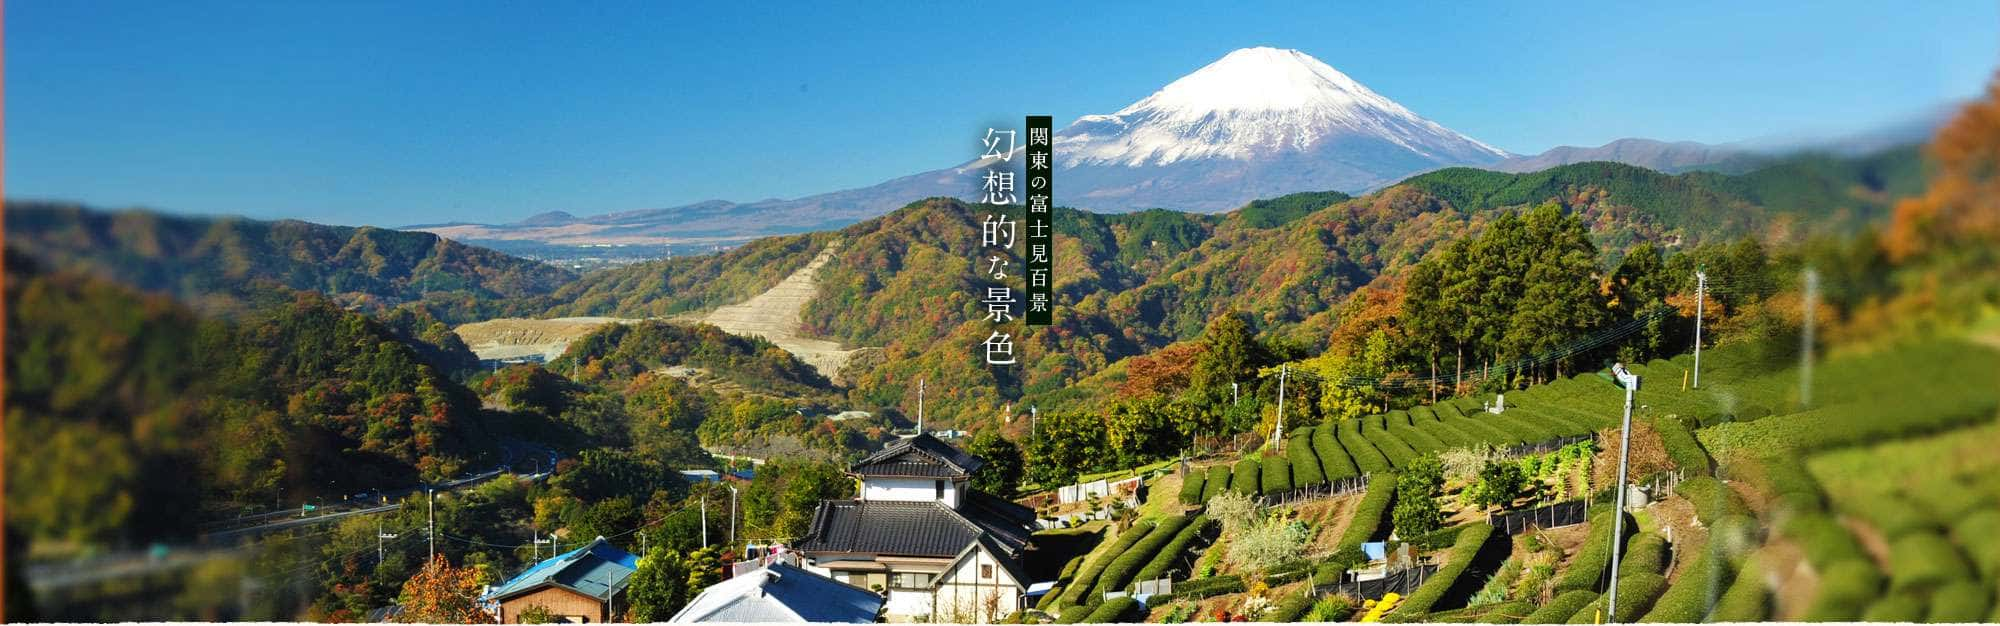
(776, 315)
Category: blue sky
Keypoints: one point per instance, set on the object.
(401, 113)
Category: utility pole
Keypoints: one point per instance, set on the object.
(732, 515)
(704, 521)
(1278, 434)
(1700, 299)
(430, 528)
(379, 536)
(642, 543)
(1806, 341)
(1235, 393)
(538, 544)
(1630, 382)
(1034, 416)
(920, 406)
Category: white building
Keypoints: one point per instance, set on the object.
(937, 549)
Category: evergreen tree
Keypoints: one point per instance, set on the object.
(660, 587)
(1002, 473)
(1417, 488)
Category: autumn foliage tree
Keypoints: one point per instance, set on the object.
(442, 594)
(1961, 208)
(1649, 454)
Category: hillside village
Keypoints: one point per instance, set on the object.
(1588, 393)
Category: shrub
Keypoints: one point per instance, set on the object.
(1735, 536)
(1073, 615)
(1245, 479)
(1636, 594)
(1291, 608)
(1079, 587)
(1113, 611)
(1417, 511)
(1398, 453)
(1366, 457)
(1824, 540)
(1370, 512)
(1892, 514)
(1747, 600)
(1979, 534)
(1210, 586)
(1305, 464)
(1691, 597)
(1141, 552)
(1330, 609)
(1457, 560)
(1191, 488)
(1846, 589)
(1276, 474)
(1896, 607)
(1163, 561)
(1266, 544)
(1711, 499)
(1234, 511)
(1682, 447)
(1922, 562)
(1961, 602)
(1559, 610)
(1217, 482)
(1586, 570)
(1644, 553)
(1333, 458)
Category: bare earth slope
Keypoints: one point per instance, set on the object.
(773, 315)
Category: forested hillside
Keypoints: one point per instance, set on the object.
(219, 262)
(109, 390)
(1132, 283)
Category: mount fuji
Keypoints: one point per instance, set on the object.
(1259, 122)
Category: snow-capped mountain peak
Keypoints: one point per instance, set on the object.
(1259, 102)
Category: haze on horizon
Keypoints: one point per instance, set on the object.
(392, 115)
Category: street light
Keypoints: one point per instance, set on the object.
(1630, 382)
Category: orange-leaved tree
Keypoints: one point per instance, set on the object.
(442, 594)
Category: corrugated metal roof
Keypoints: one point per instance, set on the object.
(598, 569)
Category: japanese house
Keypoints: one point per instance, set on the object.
(781, 592)
(584, 586)
(933, 547)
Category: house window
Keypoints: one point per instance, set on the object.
(912, 580)
(939, 486)
(985, 572)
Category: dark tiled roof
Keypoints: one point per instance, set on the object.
(921, 456)
(913, 528)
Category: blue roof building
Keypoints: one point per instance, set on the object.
(586, 585)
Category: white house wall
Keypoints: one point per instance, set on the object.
(908, 490)
(964, 596)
